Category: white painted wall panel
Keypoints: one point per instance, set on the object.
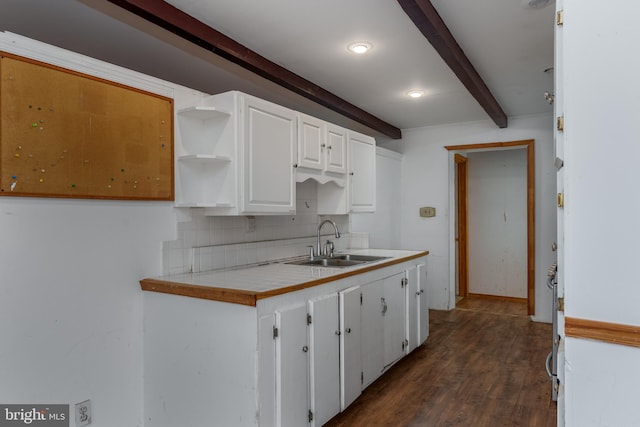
(70, 301)
(602, 207)
(601, 102)
(601, 383)
(497, 204)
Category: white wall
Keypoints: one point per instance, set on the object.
(497, 224)
(602, 205)
(383, 226)
(426, 175)
(70, 301)
(70, 298)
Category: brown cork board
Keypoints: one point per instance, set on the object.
(67, 134)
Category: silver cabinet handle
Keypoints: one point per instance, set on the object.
(548, 363)
(348, 330)
(305, 348)
(384, 306)
(337, 332)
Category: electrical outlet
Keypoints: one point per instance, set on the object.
(427, 212)
(250, 224)
(83, 413)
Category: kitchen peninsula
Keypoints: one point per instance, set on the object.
(278, 343)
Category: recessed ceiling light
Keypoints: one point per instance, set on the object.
(360, 47)
(415, 93)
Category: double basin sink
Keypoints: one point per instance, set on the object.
(339, 261)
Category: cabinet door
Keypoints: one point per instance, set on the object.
(423, 308)
(324, 345)
(269, 154)
(350, 356)
(292, 362)
(362, 160)
(311, 143)
(336, 145)
(394, 318)
(413, 309)
(267, 371)
(372, 338)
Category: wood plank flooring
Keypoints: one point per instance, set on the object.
(482, 365)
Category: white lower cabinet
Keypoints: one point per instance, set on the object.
(383, 325)
(324, 345)
(350, 354)
(417, 311)
(372, 327)
(296, 359)
(267, 371)
(292, 367)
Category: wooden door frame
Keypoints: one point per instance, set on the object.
(529, 146)
(461, 224)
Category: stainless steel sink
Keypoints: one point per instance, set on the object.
(340, 261)
(363, 258)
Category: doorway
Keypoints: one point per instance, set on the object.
(459, 205)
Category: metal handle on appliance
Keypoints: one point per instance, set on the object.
(547, 363)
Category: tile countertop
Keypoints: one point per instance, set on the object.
(245, 285)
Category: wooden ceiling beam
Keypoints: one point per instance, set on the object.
(431, 25)
(183, 25)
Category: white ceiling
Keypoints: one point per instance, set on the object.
(509, 44)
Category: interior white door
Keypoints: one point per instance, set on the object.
(292, 361)
(324, 340)
(350, 356)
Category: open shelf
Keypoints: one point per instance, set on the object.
(202, 112)
(205, 158)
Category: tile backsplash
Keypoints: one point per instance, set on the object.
(207, 242)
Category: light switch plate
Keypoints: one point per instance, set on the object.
(427, 212)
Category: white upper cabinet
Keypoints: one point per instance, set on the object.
(236, 156)
(322, 150)
(362, 172)
(240, 155)
(336, 149)
(310, 142)
(268, 149)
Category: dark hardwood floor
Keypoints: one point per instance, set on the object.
(482, 365)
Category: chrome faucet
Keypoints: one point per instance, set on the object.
(318, 245)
